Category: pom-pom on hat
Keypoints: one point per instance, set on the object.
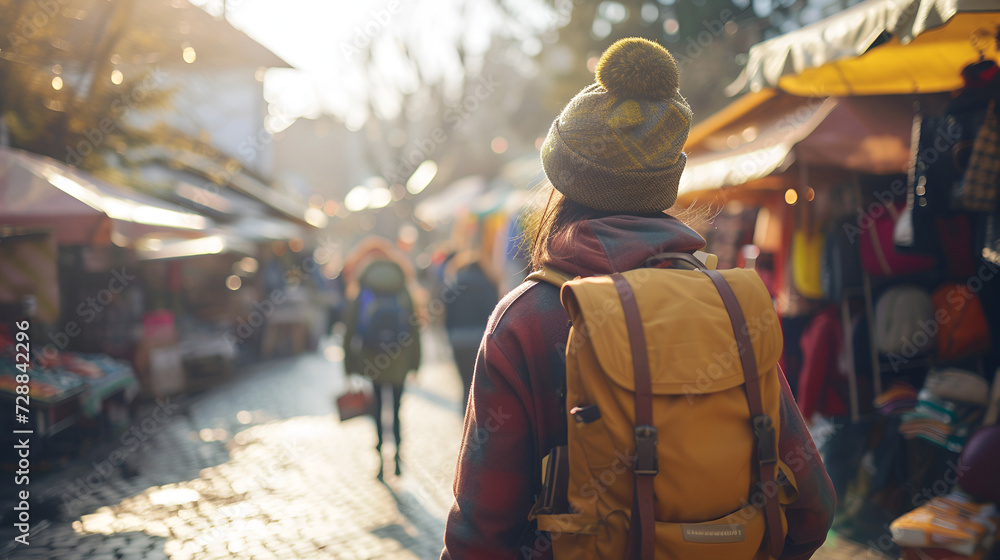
(617, 146)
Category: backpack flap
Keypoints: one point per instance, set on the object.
(695, 356)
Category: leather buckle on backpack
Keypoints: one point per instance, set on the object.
(645, 451)
(763, 429)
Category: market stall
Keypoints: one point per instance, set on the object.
(92, 392)
(877, 215)
(65, 268)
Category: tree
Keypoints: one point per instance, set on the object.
(542, 62)
(63, 90)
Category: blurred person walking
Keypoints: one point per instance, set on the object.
(472, 298)
(382, 335)
(613, 159)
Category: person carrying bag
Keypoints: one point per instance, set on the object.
(626, 401)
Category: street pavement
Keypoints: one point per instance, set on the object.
(262, 468)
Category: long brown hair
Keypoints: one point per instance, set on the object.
(559, 215)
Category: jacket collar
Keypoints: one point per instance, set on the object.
(619, 243)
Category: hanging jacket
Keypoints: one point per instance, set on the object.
(820, 378)
(516, 412)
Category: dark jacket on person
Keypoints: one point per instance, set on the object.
(468, 312)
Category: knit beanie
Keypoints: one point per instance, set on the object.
(617, 145)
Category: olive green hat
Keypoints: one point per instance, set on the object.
(617, 146)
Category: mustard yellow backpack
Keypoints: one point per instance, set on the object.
(673, 412)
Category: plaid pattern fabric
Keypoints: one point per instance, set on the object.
(515, 414)
(978, 192)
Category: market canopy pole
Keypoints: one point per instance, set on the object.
(877, 47)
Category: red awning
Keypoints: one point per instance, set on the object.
(40, 192)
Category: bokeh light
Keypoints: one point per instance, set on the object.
(357, 199)
(422, 177)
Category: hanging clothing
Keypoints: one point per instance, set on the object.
(821, 381)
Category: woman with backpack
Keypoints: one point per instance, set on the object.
(613, 159)
(382, 336)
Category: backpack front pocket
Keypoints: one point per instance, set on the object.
(737, 536)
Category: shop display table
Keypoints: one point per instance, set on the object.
(54, 398)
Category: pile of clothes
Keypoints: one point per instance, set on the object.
(951, 402)
(962, 524)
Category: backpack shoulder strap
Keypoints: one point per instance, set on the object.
(549, 275)
(642, 526)
(763, 425)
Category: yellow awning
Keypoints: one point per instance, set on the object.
(877, 47)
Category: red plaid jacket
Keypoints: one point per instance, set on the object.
(515, 414)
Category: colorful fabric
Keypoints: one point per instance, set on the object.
(516, 413)
(945, 423)
(899, 398)
(978, 191)
(45, 385)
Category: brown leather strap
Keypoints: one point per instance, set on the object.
(642, 528)
(763, 427)
(683, 257)
(550, 276)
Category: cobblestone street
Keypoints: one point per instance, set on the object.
(262, 468)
